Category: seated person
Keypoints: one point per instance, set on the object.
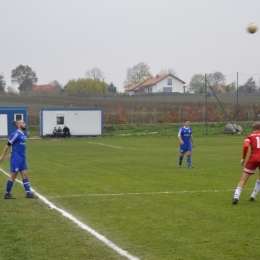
(66, 131)
(59, 132)
(54, 132)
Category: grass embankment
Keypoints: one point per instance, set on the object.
(158, 129)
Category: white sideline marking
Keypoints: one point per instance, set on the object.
(118, 147)
(140, 193)
(81, 224)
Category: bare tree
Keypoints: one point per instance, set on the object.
(249, 86)
(95, 74)
(216, 80)
(168, 71)
(137, 74)
(11, 89)
(55, 83)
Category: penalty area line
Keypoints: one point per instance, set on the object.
(81, 224)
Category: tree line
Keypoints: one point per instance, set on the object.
(94, 81)
(217, 82)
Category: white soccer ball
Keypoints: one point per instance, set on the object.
(252, 28)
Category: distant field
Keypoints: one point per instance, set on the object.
(130, 190)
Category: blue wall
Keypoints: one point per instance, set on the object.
(10, 112)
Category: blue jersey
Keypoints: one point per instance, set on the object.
(18, 142)
(185, 134)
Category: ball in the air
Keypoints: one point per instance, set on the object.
(252, 28)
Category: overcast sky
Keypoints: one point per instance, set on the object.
(61, 39)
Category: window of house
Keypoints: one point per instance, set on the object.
(167, 89)
(169, 81)
(60, 120)
(18, 117)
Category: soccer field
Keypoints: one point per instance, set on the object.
(130, 190)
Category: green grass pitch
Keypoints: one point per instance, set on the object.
(130, 190)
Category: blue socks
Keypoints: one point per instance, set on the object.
(180, 160)
(9, 186)
(189, 160)
(26, 185)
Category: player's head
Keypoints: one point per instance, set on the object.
(186, 123)
(20, 124)
(256, 126)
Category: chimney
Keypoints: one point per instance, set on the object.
(157, 76)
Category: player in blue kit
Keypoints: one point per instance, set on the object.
(186, 143)
(17, 160)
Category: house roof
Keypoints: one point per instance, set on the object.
(158, 78)
(44, 86)
(134, 87)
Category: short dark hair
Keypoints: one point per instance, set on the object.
(15, 123)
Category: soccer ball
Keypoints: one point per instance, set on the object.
(252, 28)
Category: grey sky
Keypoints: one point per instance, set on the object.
(61, 39)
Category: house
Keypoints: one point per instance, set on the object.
(43, 87)
(133, 89)
(160, 83)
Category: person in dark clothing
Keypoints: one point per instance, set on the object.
(59, 132)
(66, 132)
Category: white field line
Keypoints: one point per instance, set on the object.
(141, 193)
(118, 147)
(81, 224)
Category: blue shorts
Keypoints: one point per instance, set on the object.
(17, 165)
(184, 148)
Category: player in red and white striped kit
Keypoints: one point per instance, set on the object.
(253, 162)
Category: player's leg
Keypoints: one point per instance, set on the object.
(189, 149)
(182, 152)
(26, 183)
(256, 188)
(9, 186)
(14, 169)
(181, 159)
(181, 156)
(189, 160)
(240, 186)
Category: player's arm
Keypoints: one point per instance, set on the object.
(9, 156)
(179, 137)
(245, 149)
(5, 151)
(192, 141)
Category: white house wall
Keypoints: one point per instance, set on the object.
(80, 122)
(176, 86)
